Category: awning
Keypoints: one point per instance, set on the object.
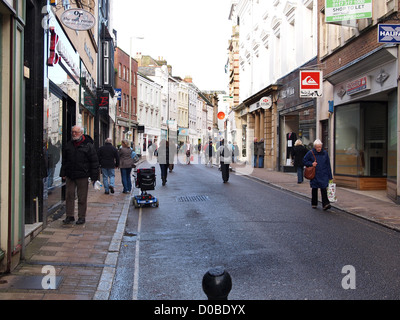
(379, 56)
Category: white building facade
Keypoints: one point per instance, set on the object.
(149, 112)
(275, 38)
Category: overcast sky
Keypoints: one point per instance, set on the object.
(192, 35)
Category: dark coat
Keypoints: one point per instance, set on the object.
(125, 157)
(210, 149)
(108, 156)
(259, 149)
(323, 172)
(80, 161)
(298, 153)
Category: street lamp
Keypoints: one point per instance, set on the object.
(130, 85)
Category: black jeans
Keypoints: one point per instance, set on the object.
(164, 171)
(225, 171)
(324, 195)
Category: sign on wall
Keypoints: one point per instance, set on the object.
(358, 85)
(342, 10)
(310, 84)
(389, 33)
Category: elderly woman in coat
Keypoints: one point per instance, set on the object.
(319, 159)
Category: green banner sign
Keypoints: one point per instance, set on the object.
(343, 10)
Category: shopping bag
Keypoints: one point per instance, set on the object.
(332, 192)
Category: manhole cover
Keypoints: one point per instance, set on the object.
(197, 198)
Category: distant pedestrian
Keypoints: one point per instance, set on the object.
(188, 153)
(254, 151)
(225, 156)
(260, 153)
(319, 158)
(298, 153)
(235, 152)
(209, 153)
(164, 160)
(79, 163)
(109, 160)
(125, 165)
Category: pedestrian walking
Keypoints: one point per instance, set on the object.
(209, 153)
(79, 163)
(225, 156)
(109, 160)
(125, 165)
(164, 160)
(260, 153)
(254, 151)
(188, 152)
(319, 159)
(235, 152)
(298, 153)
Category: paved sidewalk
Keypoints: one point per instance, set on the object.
(371, 205)
(84, 256)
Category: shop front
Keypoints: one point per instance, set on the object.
(61, 97)
(365, 130)
(297, 118)
(260, 121)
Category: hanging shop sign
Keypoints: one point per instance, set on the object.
(310, 84)
(340, 10)
(90, 103)
(60, 50)
(78, 19)
(388, 33)
(266, 103)
(103, 100)
(118, 93)
(54, 58)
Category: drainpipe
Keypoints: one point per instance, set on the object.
(9, 237)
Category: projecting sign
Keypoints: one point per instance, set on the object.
(310, 84)
(118, 93)
(342, 10)
(389, 33)
(266, 102)
(78, 19)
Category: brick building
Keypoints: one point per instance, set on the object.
(126, 118)
(359, 110)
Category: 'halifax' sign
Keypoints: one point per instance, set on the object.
(389, 33)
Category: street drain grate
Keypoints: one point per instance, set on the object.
(198, 198)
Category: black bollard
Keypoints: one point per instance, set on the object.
(217, 284)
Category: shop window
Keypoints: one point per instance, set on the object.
(54, 129)
(392, 136)
(361, 139)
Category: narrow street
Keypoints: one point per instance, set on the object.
(273, 244)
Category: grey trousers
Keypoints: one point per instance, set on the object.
(81, 186)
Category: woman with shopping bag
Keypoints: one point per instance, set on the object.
(319, 159)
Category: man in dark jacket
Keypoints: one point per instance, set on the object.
(109, 160)
(79, 162)
(164, 160)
